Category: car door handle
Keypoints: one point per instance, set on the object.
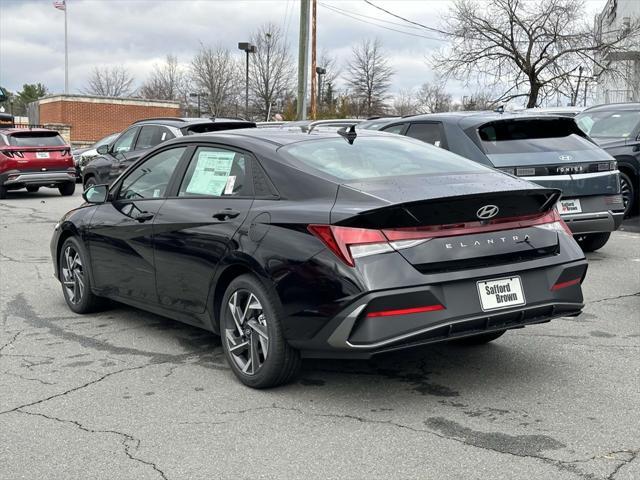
(144, 217)
(225, 214)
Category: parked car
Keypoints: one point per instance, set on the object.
(616, 128)
(82, 156)
(34, 158)
(326, 244)
(143, 135)
(547, 149)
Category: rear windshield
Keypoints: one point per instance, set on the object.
(376, 157)
(532, 135)
(217, 126)
(609, 124)
(36, 139)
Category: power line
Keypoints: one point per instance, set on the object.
(435, 30)
(376, 18)
(376, 24)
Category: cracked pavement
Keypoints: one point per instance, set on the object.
(126, 394)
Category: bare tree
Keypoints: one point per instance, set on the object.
(215, 74)
(110, 82)
(332, 72)
(404, 103)
(272, 70)
(526, 47)
(166, 81)
(432, 98)
(369, 76)
(479, 100)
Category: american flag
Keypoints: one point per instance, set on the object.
(60, 4)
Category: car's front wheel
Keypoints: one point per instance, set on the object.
(590, 242)
(67, 189)
(627, 192)
(75, 278)
(252, 337)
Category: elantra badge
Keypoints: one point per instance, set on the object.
(487, 212)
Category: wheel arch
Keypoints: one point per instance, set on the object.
(67, 230)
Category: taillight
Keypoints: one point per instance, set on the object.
(568, 283)
(65, 152)
(406, 311)
(349, 243)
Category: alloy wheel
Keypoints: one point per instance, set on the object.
(625, 190)
(73, 275)
(247, 338)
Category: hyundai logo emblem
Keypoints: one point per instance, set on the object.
(487, 212)
(565, 158)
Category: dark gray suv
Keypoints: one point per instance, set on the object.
(549, 150)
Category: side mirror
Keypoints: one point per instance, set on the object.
(102, 149)
(96, 194)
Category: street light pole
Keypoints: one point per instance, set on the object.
(320, 71)
(248, 48)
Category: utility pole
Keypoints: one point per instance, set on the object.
(66, 53)
(303, 50)
(313, 59)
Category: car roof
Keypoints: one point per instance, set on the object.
(11, 131)
(273, 136)
(473, 119)
(614, 107)
(181, 122)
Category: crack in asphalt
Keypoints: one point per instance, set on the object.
(128, 440)
(614, 298)
(634, 456)
(75, 389)
(563, 465)
(17, 375)
(10, 342)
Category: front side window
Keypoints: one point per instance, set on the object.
(376, 157)
(427, 132)
(151, 178)
(125, 142)
(215, 172)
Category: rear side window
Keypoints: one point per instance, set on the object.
(376, 157)
(427, 132)
(152, 135)
(36, 139)
(532, 135)
(216, 172)
(395, 128)
(621, 124)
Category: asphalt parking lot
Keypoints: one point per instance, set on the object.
(126, 394)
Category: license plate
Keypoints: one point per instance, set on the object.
(501, 293)
(42, 154)
(567, 207)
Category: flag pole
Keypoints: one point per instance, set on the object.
(66, 53)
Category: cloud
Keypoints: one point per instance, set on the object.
(138, 33)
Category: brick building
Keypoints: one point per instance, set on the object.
(89, 118)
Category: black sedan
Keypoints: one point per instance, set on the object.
(293, 245)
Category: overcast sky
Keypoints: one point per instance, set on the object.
(138, 33)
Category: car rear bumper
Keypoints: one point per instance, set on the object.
(599, 213)
(353, 334)
(18, 179)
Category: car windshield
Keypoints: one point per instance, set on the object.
(532, 135)
(36, 139)
(375, 157)
(609, 124)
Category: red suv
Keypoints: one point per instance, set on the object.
(35, 158)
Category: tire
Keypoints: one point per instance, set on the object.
(77, 278)
(590, 242)
(628, 193)
(67, 189)
(281, 362)
(480, 339)
(32, 188)
(3, 192)
(90, 182)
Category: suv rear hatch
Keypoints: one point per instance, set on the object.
(551, 151)
(35, 150)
